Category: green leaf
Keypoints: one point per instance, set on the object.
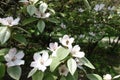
(32, 72)
(14, 72)
(53, 20)
(62, 53)
(50, 76)
(2, 70)
(41, 26)
(28, 21)
(54, 64)
(72, 66)
(4, 34)
(38, 75)
(87, 63)
(72, 77)
(62, 78)
(94, 77)
(31, 9)
(20, 38)
(43, 7)
(3, 51)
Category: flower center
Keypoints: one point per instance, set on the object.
(14, 58)
(67, 42)
(41, 62)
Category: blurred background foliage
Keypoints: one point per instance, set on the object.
(97, 32)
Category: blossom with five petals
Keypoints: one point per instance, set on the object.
(41, 62)
(9, 21)
(66, 41)
(13, 58)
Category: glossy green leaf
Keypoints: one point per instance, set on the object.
(72, 77)
(54, 64)
(38, 75)
(41, 26)
(2, 70)
(32, 72)
(14, 72)
(53, 20)
(4, 34)
(72, 66)
(62, 53)
(31, 9)
(20, 38)
(28, 21)
(87, 63)
(94, 77)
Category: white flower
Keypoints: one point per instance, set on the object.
(80, 10)
(53, 47)
(38, 14)
(66, 41)
(9, 21)
(41, 62)
(99, 7)
(111, 8)
(76, 52)
(13, 57)
(63, 70)
(63, 25)
(107, 77)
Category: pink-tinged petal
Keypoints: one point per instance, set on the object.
(19, 55)
(34, 64)
(42, 68)
(16, 21)
(36, 56)
(7, 57)
(10, 64)
(48, 62)
(12, 52)
(19, 62)
(45, 56)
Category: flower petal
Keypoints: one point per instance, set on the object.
(19, 62)
(12, 52)
(7, 57)
(45, 56)
(48, 62)
(19, 55)
(9, 64)
(79, 54)
(16, 21)
(42, 68)
(36, 56)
